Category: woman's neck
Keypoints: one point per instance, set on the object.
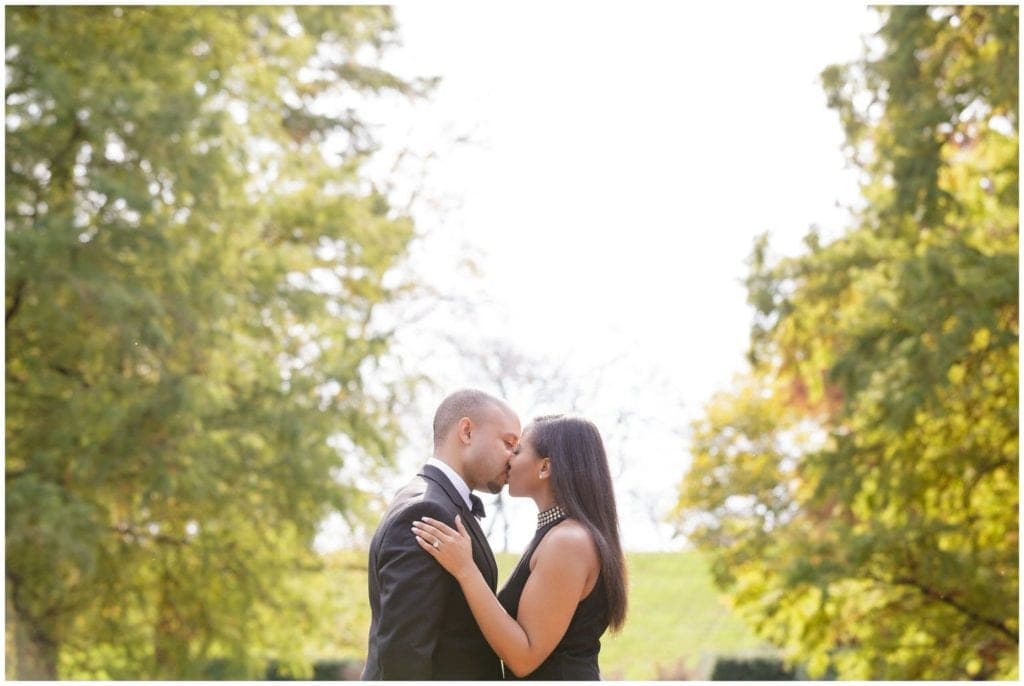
(544, 501)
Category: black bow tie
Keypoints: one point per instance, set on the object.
(478, 506)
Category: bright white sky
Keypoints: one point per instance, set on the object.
(622, 159)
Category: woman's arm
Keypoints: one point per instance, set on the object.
(564, 564)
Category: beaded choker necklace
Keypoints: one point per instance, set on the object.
(552, 514)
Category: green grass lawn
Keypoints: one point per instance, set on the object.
(677, 619)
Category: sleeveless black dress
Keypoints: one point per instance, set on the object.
(575, 656)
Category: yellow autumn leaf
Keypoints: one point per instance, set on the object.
(956, 374)
(980, 339)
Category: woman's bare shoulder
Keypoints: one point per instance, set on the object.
(568, 537)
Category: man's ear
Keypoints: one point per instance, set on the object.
(465, 429)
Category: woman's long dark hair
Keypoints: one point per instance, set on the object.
(582, 485)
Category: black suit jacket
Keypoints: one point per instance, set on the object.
(421, 626)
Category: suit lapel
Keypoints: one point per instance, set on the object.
(474, 529)
(472, 526)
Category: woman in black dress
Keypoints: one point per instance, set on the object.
(570, 584)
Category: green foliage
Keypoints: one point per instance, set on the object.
(342, 585)
(858, 488)
(190, 286)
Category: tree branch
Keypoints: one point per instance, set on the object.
(71, 374)
(945, 599)
(129, 531)
(19, 292)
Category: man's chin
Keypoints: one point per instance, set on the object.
(495, 487)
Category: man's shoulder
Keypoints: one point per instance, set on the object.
(428, 501)
(423, 488)
(421, 497)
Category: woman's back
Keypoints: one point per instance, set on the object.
(575, 656)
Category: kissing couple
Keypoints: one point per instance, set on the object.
(433, 577)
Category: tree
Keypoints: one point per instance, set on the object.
(857, 491)
(190, 291)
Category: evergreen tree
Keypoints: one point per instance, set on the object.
(190, 289)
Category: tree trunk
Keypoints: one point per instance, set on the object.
(31, 655)
(170, 643)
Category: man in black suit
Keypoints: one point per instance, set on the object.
(421, 627)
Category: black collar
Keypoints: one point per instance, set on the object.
(437, 476)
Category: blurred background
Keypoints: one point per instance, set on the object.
(771, 251)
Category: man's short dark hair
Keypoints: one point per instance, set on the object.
(468, 402)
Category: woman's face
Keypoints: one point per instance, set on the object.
(524, 468)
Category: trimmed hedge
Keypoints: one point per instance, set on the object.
(225, 669)
(751, 669)
(324, 670)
